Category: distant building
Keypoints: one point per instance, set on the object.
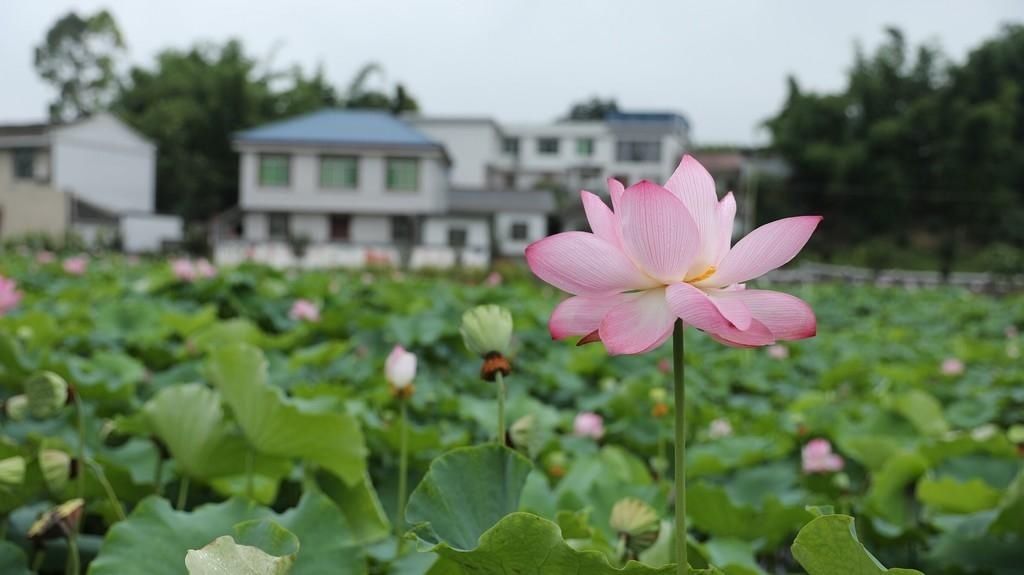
(94, 177)
(344, 187)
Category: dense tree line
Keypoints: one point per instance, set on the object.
(916, 151)
(190, 102)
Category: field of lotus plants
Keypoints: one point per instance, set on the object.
(169, 417)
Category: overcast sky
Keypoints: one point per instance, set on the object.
(723, 63)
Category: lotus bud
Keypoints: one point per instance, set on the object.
(588, 424)
(400, 370)
(57, 522)
(12, 472)
(487, 332)
(47, 393)
(556, 464)
(522, 430)
(56, 466)
(16, 407)
(658, 395)
(633, 517)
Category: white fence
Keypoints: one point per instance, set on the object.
(281, 255)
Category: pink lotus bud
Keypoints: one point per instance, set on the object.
(76, 265)
(493, 279)
(304, 310)
(720, 428)
(817, 457)
(778, 351)
(9, 295)
(45, 257)
(952, 366)
(400, 368)
(183, 270)
(588, 424)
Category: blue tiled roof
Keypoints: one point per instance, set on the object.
(652, 117)
(339, 127)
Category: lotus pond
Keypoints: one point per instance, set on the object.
(208, 409)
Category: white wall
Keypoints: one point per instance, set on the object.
(148, 232)
(370, 230)
(472, 145)
(303, 194)
(316, 227)
(537, 228)
(255, 227)
(104, 162)
(478, 231)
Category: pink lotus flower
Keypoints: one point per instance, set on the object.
(76, 265)
(205, 269)
(817, 457)
(183, 270)
(400, 368)
(493, 279)
(45, 257)
(664, 253)
(304, 310)
(778, 351)
(952, 366)
(719, 428)
(9, 295)
(588, 424)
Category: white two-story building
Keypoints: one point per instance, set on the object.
(345, 187)
(94, 178)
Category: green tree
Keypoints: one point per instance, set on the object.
(192, 102)
(593, 109)
(914, 151)
(79, 58)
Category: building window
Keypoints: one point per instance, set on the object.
(340, 224)
(510, 180)
(629, 151)
(277, 226)
(275, 170)
(585, 147)
(519, 231)
(339, 172)
(547, 146)
(510, 146)
(457, 237)
(24, 163)
(401, 229)
(403, 174)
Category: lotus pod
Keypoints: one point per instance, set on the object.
(47, 393)
(634, 517)
(56, 467)
(16, 407)
(58, 521)
(487, 329)
(12, 472)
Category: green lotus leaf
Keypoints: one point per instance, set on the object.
(465, 492)
(1010, 518)
(155, 538)
(262, 548)
(12, 559)
(923, 411)
(715, 512)
(190, 421)
(949, 495)
(283, 427)
(828, 545)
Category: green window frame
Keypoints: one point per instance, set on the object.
(24, 163)
(547, 146)
(585, 147)
(339, 172)
(275, 170)
(403, 174)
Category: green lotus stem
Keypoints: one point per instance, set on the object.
(250, 488)
(403, 472)
(158, 474)
(97, 470)
(37, 559)
(81, 444)
(74, 565)
(680, 451)
(500, 380)
(182, 493)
